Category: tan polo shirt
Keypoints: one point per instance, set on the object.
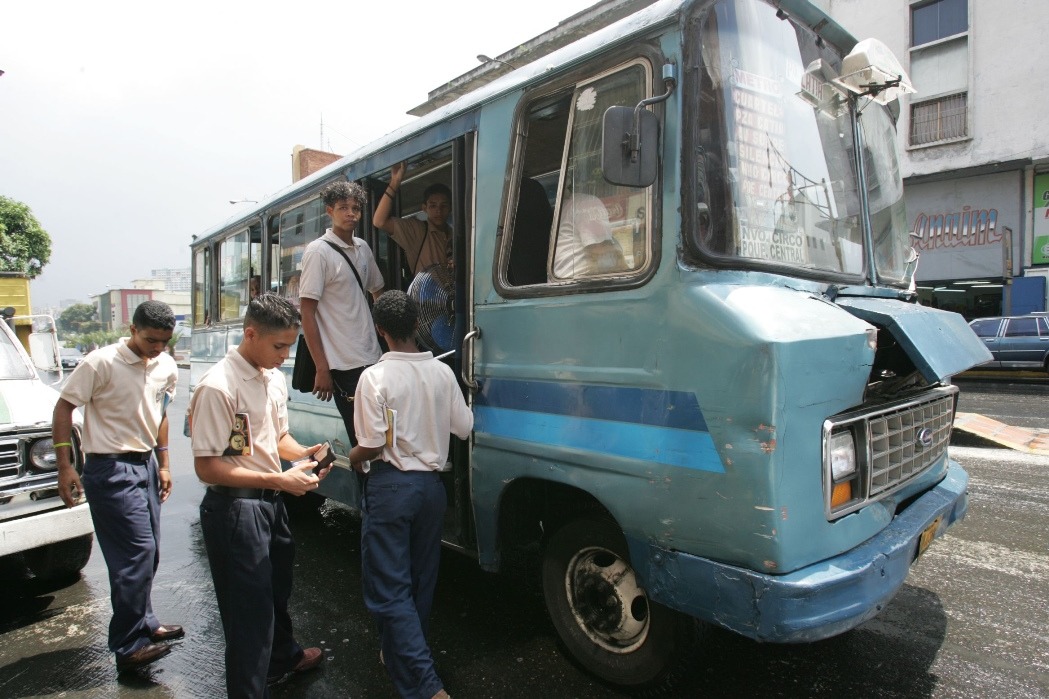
(123, 397)
(410, 234)
(343, 317)
(239, 412)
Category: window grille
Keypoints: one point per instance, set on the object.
(939, 119)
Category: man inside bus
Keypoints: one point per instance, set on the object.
(426, 242)
(337, 269)
(585, 245)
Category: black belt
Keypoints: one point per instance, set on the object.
(249, 493)
(138, 457)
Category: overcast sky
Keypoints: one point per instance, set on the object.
(128, 126)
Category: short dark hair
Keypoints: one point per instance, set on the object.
(271, 312)
(437, 188)
(343, 190)
(396, 313)
(153, 314)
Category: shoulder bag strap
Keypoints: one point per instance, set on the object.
(337, 249)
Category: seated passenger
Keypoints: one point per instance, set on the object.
(426, 242)
(585, 245)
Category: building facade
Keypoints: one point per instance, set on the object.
(975, 157)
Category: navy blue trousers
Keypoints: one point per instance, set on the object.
(400, 555)
(251, 553)
(124, 499)
(345, 385)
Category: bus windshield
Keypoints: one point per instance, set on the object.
(776, 178)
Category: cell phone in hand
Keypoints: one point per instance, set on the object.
(324, 457)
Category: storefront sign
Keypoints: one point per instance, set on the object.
(1040, 242)
(959, 224)
(966, 228)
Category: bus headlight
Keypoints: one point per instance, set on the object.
(842, 455)
(42, 455)
(844, 469)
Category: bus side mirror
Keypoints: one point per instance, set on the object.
(629, 148)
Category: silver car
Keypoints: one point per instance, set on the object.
(1016, 342)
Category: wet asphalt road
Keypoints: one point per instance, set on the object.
(971, 621)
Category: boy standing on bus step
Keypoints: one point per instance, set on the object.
(406, 406)
(239, 426)
(426, 242)
(335, 315)
(124, 389)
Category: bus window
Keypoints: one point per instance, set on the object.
(595, 228)
(273, 236)
(201, 287)
(254, 264)
(299, 227)
(234, 273)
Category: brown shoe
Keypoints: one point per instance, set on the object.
(167, 632)
(143, 656)
(311, 658)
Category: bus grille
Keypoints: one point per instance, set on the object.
(894, 443)
(905, 442)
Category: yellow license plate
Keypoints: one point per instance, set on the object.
(928, 535)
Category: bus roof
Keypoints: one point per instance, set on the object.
(627, 29)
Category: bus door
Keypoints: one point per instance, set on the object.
(562, 316)
(440, 290)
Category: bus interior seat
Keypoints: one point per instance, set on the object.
(530, 243)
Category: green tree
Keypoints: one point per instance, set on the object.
(79, 318)
(24, 245)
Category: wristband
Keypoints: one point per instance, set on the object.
(62, 444)
(387, 194)
(158, 448)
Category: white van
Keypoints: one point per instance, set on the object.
(54, 540)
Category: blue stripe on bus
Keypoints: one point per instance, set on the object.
(664, 445)
(643, 406)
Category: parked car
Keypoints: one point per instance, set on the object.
(71, 357)
(1017, 342)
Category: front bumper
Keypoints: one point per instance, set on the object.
(815, 602)
(44, 528)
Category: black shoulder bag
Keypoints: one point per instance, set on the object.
(304, 374)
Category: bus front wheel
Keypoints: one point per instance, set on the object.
(602, 613)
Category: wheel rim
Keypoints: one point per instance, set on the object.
(608, 603)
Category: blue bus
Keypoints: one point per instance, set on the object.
(683, 312)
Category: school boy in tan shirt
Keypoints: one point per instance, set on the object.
(124, 389)
(239, 425)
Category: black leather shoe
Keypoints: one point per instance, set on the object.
(143, 656)
(167, 632)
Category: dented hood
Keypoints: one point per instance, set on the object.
(941, 344)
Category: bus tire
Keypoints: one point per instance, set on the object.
(603, 615)
(61, 559)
